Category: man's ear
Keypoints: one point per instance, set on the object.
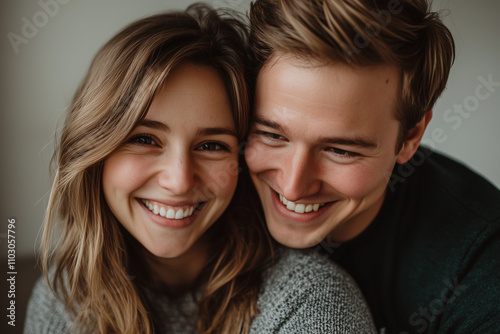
(413, 139)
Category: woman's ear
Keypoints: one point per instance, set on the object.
(413, 139)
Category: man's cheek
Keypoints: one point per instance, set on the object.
(356, 183)
(256, 155)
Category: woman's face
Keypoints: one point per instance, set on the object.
(176, 173)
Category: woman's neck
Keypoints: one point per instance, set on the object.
(178, 276)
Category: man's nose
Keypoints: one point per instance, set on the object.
(297, 175)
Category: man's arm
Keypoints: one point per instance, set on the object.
(474, 302)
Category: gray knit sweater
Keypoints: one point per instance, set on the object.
(302, 293)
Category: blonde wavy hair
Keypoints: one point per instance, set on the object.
(405, 33)
(91, 253)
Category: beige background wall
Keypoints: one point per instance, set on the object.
(37, 83)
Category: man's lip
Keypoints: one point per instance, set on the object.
(305, 218)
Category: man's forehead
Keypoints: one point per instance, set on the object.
(320, 65)
(284, 88)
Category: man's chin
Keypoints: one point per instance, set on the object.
(293, 239)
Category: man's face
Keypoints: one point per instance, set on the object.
(322, 148)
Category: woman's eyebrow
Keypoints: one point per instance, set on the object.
(200, 131)
(216, 131)
(154, 124)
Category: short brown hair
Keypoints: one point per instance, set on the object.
(405, 33)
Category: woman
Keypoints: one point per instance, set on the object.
(147, 165)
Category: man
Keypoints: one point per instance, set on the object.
(344, 93)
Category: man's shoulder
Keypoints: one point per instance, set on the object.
(445, 223)
(444, 209)
(438, 231)
(447, 186)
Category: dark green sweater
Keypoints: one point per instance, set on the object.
(430, 261)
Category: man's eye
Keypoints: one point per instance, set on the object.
(343, 153)
(212, 146)
(270, 135)
(143, 140)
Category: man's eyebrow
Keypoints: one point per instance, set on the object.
(356, 141)
(216, 131)
(154, 124)
(269, 124)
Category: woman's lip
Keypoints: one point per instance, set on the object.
(303, 218)
(171, 203)
(172, 223)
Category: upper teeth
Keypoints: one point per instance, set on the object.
(300, 208)
(169, 212)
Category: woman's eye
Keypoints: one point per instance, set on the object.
(143, 140)
(212, 146)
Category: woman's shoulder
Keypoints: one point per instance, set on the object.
(304, 264)
(307, 269)
(306, 292)
(46, 313)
